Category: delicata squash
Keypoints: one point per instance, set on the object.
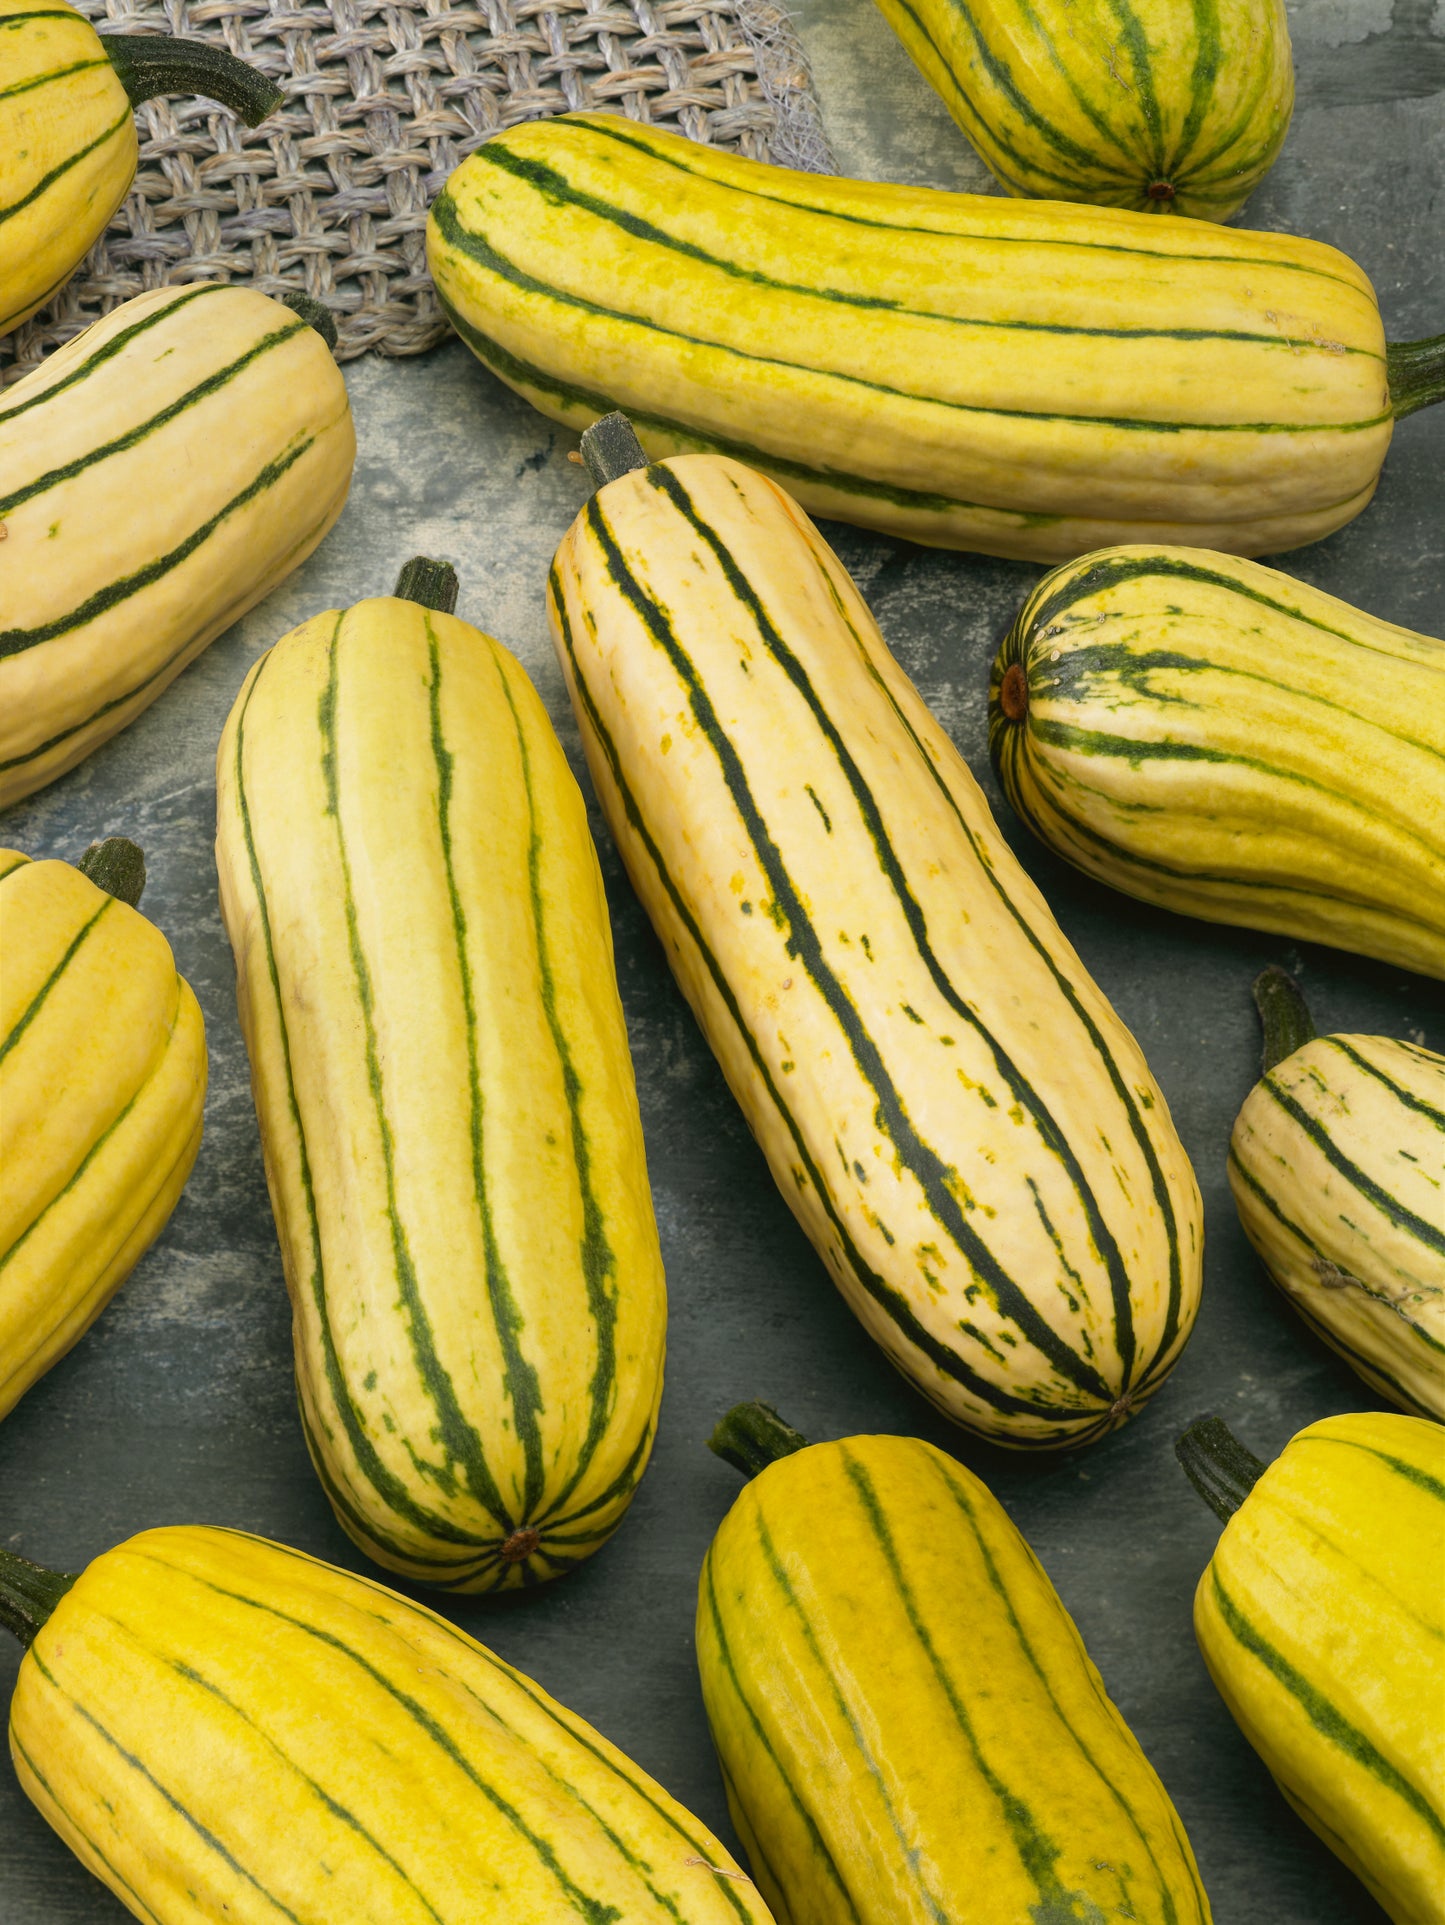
(441, 1072)
(1321, 1617)
(68, 147)
(222, 1728)
(1027, 378)
(102, 1081)
(955, 1115)
(1336, 1161)
(159, 475)
(909, 1726)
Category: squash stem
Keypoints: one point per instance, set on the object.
(430, 584)
(28, 1595)
(1415, 371)
(752, 1436)
(151, 64)
(1218, 1466)
(1284, 1014)
(314, 313)
(117, 866)
(610, 449)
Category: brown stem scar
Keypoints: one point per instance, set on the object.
(1014, 694)
(520, 1545)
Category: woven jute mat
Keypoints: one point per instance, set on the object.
(383, 98)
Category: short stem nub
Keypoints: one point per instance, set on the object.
(430, 584)
(1415, 371)
(118, 867)
(1160, 190)
(752, 1436)
(1013, 694)
(1218, 1466)
(1284, 1014)
(610, 449)
(28, 1595)
(154, 63)
(316, 314)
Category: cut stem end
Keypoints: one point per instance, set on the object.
(610, 449)
(1218, 1466)
(118, 867)
(152, 64)
(1284, 1015)
(430, 584)
(752, 1436)
(1415, 371)
(28, 1595)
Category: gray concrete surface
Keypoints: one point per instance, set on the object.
(179, 1404)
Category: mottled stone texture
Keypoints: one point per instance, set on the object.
(179, 1405)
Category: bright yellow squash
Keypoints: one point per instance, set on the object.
(1173, 106)
(958, 1119)
(441, 1071)
(1031, 379)
(909, 1726)
(67, 134)
(102, 1079)
(1321, 1618)
(159, 475)
(223, 1729)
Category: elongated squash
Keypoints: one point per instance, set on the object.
(1223, 740)
(1321, 1617)
(955, 1115)
(440, 1065)
(1337, 1164)
(909, 1726)
(102, 1081)
(1025, 378)
(1160, 105)
(222, 1728)
(67, 137)
(159, 475)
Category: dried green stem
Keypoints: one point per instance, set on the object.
(314, 313)
(1218, 1466)
(430, 584)
(154, 63)
(610, 449)
(752, 1436)
(1415, 371)
(28, 1595)
(118, 867)
(1284, 1015)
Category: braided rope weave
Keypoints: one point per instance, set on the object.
(383, 98)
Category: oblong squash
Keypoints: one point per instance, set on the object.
(222, 1728)
(1176, 106)
(68, 147)
(1337, 1164)
(441, 1071)
(909, 1726)
(1321, 1617)
(955, 1115)
(1226, 741)
(159, 475)
(102, 1082)
(1026, 378)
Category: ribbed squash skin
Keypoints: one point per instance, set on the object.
(1225, 741)
(222, 1728)
(1321, 1618)
(102, 1080)
(159, 475)
(1025, 378)
(909, 1726)
(447, 1108)
(955, 1115)
(68, 149)
(1337, 1164)
(1175, 106)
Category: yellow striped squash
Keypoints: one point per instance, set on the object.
(221, 1728)
(1321, 1617)
(102, 1079)
(1026, 378)
(447, 1108)
(1223, 740)
(1337, 1164)
(68, 147)
(958, 1119)
(909, 1726)
(1160, 105)
(159, 475)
